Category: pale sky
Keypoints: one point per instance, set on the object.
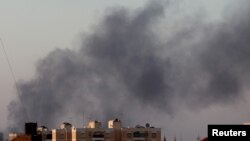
(31, 29)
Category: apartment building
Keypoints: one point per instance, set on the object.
(115, 132)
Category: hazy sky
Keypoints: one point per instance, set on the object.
(31, 29)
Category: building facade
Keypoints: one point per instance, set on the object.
(141, 134)
(115, 132)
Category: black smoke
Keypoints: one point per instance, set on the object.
(126, 63)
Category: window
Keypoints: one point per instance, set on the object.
(82, 135)
(98, 135)
(140, 134)
(153, 135)
(129, 135)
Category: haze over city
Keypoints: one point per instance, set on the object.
(176, 64)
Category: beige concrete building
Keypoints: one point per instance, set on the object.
(45, 133)
(92, 134)
(141, 134)
(94, 124)
(115, 132)
(62, 134)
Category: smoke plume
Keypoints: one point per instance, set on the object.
(126, 66)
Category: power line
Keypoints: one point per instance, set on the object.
(14, 78)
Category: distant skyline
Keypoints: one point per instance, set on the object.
(32, 29)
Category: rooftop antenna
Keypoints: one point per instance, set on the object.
(164, 138)
(83, 119)
(14, 78)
